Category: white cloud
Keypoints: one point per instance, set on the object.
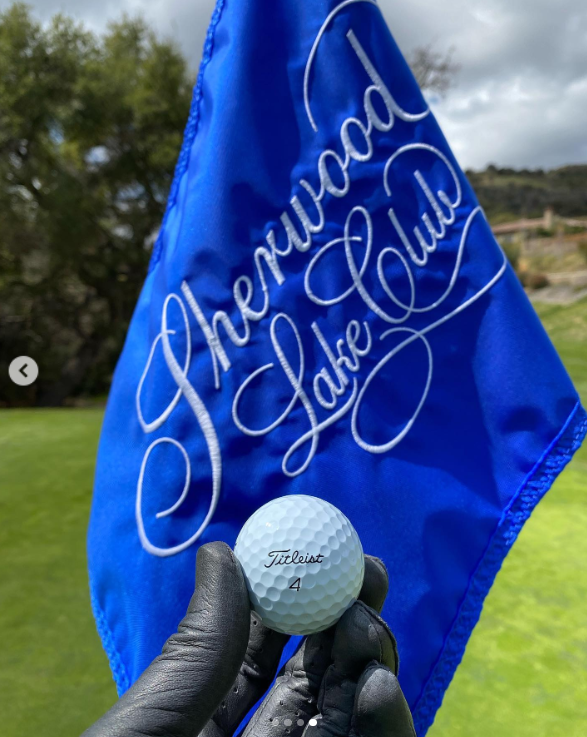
(521, 97)
(517, 122)
(521, 94)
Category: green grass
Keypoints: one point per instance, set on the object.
(54, 676)
(524, 672)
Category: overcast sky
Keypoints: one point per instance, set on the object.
(521, 94)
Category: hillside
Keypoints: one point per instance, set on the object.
(509, 194)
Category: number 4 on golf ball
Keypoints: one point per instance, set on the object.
(303, 564)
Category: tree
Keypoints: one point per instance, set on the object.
(434, 71)
(90, 129)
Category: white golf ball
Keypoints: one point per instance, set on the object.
(303, 564)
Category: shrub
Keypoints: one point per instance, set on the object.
(534, 280)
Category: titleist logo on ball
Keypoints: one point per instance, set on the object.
(283, 557)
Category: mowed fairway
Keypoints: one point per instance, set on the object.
(54, 676)
(525, 671)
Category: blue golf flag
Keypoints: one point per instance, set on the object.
(326, 313)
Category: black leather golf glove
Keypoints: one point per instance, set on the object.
(221, 661)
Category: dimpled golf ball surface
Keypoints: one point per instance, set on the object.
(303, 563)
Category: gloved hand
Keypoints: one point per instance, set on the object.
(222, 660)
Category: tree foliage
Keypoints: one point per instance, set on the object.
(509, 194)
(90, 128)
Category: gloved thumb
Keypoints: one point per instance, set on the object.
(182, 688)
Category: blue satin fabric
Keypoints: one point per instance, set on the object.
(426, 440)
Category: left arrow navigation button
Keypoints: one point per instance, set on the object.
(23, 371)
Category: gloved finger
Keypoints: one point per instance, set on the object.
(182, 688)
(255, 675)
(380, 706)
(380, 709)
(375, 583)
(361, 639)
(294, 697)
